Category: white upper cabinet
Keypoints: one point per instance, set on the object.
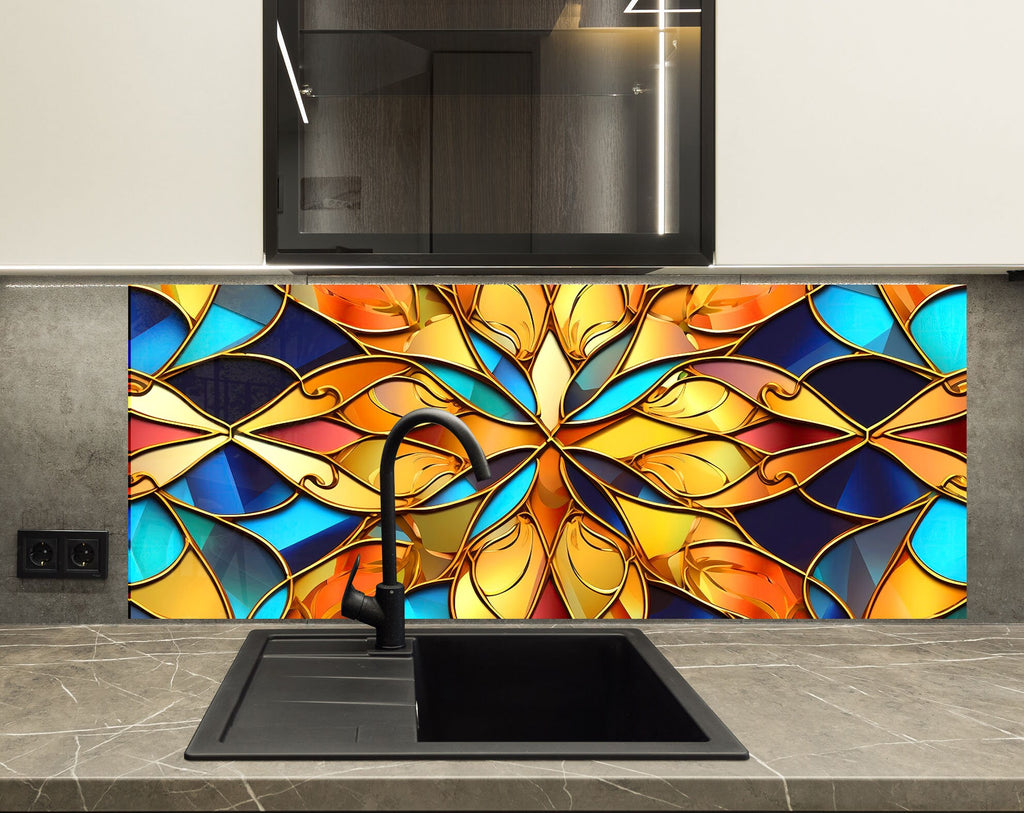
(848, 133)
(131, 133)
(870, 132)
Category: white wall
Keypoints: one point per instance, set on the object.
(850, 132)
(130, 132)
(870, 132)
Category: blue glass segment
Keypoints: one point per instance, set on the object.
(231, 481)
(594, 373)
(156, 330)
(771, 523)
(940, 540)
(853, 567)
(794, 341)
(823, 604)
(245, 569)
(614, 474)
(594, 499)
(860, 316)
(230, 388)
(506, 498)
(625, 390)
(156, 540)
(304, 531)
(476, 392)
(867, 389)
(237, 313)
(940, 330)
(505, 371)
(664, 603)
(866, 482)
(275, 605)
(304, 340)
(428, 602)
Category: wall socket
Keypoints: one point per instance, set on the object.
(62, 554)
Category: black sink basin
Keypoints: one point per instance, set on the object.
(316, 694)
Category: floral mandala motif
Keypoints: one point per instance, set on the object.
(698, 451)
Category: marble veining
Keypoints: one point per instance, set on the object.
(836, 716)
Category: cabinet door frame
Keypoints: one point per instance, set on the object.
(602, 251)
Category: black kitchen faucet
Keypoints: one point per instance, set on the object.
(386, 611)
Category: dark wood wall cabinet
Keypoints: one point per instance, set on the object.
(504, 133)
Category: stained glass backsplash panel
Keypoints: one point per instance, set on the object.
(661, 451)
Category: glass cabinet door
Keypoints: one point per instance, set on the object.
(489, 132)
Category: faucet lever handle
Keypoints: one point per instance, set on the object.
(352, 574)
(358, 606)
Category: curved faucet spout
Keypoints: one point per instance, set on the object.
(387, 473)
(386, 611)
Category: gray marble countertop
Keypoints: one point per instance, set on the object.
(848, 715)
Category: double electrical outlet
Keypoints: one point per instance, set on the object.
(62, 554)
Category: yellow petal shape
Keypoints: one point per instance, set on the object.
(161, 403)
(589, 316)
(632, 600)
(661, 532)
(700, 404)
(629, 436)
(511, 316)
(186, 591)
(193, 299)
(550, 374)
(465, 602)
(589, 565)
(699, 467)
(442, 339)
(659, 338)
(419, 470)
(777, 391)
(508, 566)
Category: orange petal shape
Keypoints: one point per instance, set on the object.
(943, 400)
(369, 307)
(744, 581)
(726, 308)
(943, 470)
